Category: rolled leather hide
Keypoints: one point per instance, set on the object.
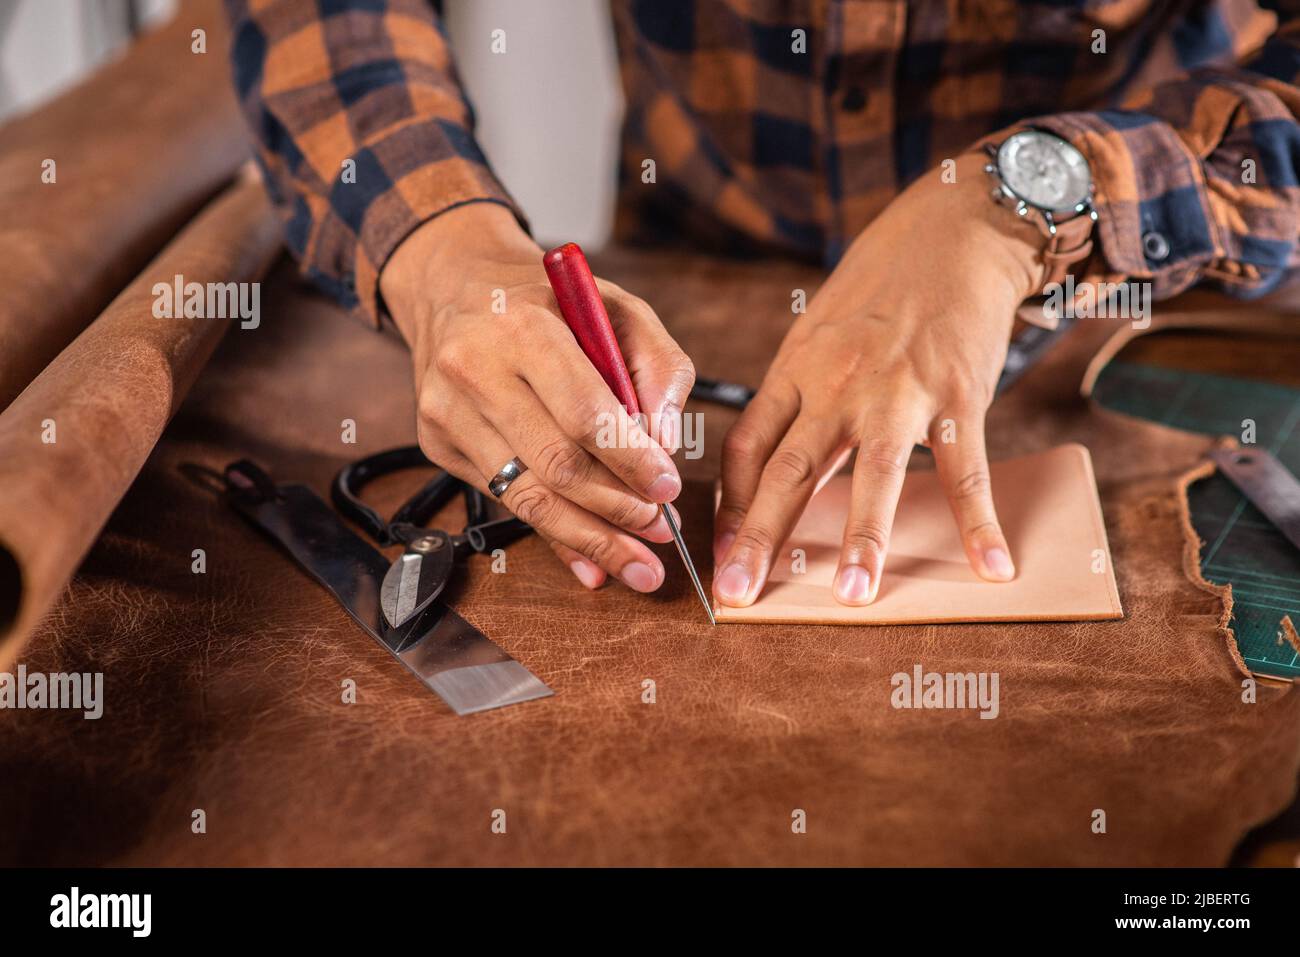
(95, 182)
(73, 442)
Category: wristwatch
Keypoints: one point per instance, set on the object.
(1048, 182)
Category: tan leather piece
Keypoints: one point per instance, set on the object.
(139, 146)
(104, 402)
(224, 690)
(1047, 505)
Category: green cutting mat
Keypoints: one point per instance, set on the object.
(1241, 547)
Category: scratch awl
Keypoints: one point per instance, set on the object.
(584, 313)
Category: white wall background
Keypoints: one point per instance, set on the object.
(45, 45)
(548, 108)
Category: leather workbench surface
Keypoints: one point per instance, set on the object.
(224, 690)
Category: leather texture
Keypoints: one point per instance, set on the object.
(225, 690)
(139, 146)
(1047, 504)
(1070, 245)
(73, 442)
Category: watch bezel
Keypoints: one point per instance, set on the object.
(996, 157)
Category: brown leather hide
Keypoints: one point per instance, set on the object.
(224, 689)
(72, 443)
(138, 147)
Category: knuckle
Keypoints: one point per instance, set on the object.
(582, 419)
(534, 503)
(563, 465)
(430, 407)
(972, 485)
(597, 548)
(867, 534)
(455, 360)
(539, 325)
(791, 467)
(883, 457)
(627, 512)
(729, 516)
(612, 290)
(755, 538)
(977, 395)
(682, 378)
(746, 439)
(679, 370)
(739, 442)
(967, 408)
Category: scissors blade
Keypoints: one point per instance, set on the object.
(461, 665)
(470, 673)
(686, 560)
(417, 577)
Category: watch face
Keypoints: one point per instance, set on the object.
(1044, 170)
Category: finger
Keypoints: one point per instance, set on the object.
(591, 576)
(662, 374)
(748, 445)
(964, 472)
(586, 410)
(878, 477)
(440, 452)
(566, 467)
(555, 517)
(785, 486)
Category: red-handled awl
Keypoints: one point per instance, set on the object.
(584, 313)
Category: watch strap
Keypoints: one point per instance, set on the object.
(1069, 245)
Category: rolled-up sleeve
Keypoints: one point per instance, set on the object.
(1199, 180)
(361, 129)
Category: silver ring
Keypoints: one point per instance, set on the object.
(509, 472)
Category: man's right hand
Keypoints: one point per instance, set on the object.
(499, 375)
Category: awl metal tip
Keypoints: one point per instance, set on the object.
(686, 560)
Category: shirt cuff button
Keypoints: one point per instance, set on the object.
(1155, 246)
(854, 100)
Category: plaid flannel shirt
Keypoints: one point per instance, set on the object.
(787, 125)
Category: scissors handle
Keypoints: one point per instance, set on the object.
(494, 534)
(352, 478)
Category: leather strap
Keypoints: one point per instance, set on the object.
(1071, 244)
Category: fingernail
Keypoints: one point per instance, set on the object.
(853, 585)
(733, 584)
(998, 562)
(722, 545)
(587, 573)
(639, 576)
(665, 487)
(670, 426)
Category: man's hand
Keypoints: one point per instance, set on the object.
(902, 344)
(499, 375)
